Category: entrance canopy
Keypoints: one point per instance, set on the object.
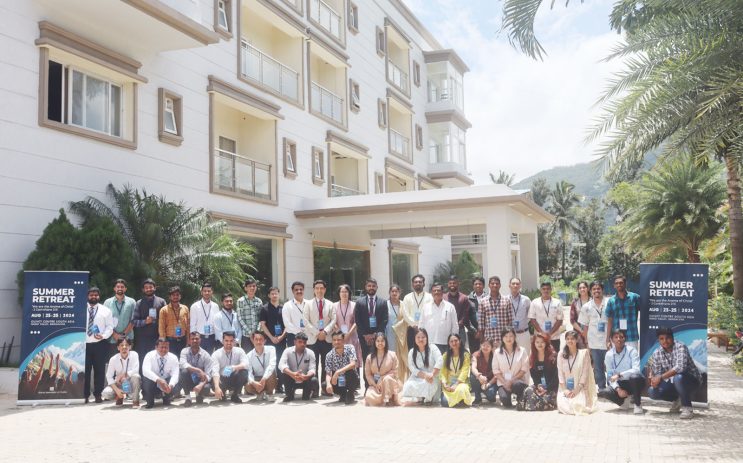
(496, 211)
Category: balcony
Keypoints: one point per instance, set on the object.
(399, 144)
(326, 103)
(448, 167)
(445, 94)
(268, 72)
(340, 190)
(241, 175)
(398, 77)
(328, 19)
(464, 241)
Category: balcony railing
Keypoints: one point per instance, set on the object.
(477, 239)
(340, 190)
(446, 90)
(326, 102)
(326, 17)
(439, 153)
(399, 143)
(397, 76)
(260, 67)
(242, 175)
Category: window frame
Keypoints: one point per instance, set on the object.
(354, 94)
(418, 137)
(318, 161)
(416, 73)
(289, 150)
(382, 114)
(381, 40)
(378, 182)
(68, 98)
(353, 17)
(226, 30)
(163, 134)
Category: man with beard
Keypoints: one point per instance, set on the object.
(371, 316)
(122, 310)
(478, 292)
(412, 304)
(145, 319)
(461, 304)
(174, 322)
(160, 373)
(227, 320)
(100, 326)
(196, 368)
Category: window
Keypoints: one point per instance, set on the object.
(418, 137)
(416, 74)
(355, 97)
(170, 115)
(382, 113)
(353, 17)
(318, 168)
(378, 182)
(223, 18)
(381, 41)
(290, 158)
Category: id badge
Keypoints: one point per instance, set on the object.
(277, 330)
(207, 329)
(570, 383)
(417, 316)
(516, 324)
(508, 375)
(376, 377)
(301, 323)
(342, 381)
(179, 331)
(453, 381)
(494, 322)
(610, 373)
(153, 313)
(602, 327)
(623, 324)
(372, 322)
(548, 325)
(321, 324)
(195, 378)
(227, 371)
(95, 330)
(344, 329)
(126, 386)
(543, 380)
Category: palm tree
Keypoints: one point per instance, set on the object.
(171, 243)
(503, 178)
(561, 203)
(678, 207)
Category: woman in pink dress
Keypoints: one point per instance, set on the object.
(345, 319)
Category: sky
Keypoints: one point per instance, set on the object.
(526, 115)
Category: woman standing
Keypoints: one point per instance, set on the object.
(455, 374)
(583, 298)
(345, 319)
(381, 373)
(482, 379)
(397, 336)
(424, 363)
(510, 368)
(542, 395)
(577, 392)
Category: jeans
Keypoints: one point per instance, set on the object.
(235, 382)
(150, 391)
(307, 387)
(490, 392)
(517, 388)
(186, 383)
(633, 386)
(599, 368)
(352, 384)
(683, 386)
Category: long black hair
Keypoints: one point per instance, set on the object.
(503, 334)
(427, 349)
(449, 359)
(378, 335)
(566, 350)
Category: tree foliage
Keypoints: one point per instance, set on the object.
(465, 268)
(503, 178)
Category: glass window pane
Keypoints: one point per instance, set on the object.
(77, 98)
(115, 111)
(96, 98)
(169, 121)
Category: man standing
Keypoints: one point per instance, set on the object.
(261, 368)
(546, 314)
(174, 321)
(122, 375)
(227, 320)
(439, 319)
(100, 327)
(293, 313)
(622, 311)
(461, 304)
(495, 314)
(412, 304)
(202, 315)
(340, 370)
(297, 364)
(319, 322)
(122, 311)
(229, 369)
(520, 305)
(248, 314)
(371, 316)
(675, 377)
(161, 374)
(592, 319)
(145, 319)
(195, 370)
(272, 324)
(622, 365)
(478, 293)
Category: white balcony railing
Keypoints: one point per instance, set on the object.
(399, 143)
(439, 153)
(397, 76)
(326, 102)
(241, 175)
(340, 190)
(477, 239)
(326, 17)
(446, 90)
(260, 67)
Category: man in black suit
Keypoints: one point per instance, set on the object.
(371, 317)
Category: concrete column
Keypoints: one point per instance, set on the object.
(529, 260)
(497, 260)
(379, 258)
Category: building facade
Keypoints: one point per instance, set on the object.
(260, 111)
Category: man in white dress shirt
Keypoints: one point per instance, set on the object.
(100, 327)
(293, 313)
(227, 320)
(122, 374)
(229, 369)
(319, 322)
(298, 366)
(439, 318)
(520, 304)
(202, 315)
(412, 304)
(196, 370)
(261, 367)
(161, 374)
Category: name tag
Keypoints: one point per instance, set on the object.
(493, 322)
(178, 331)
(207, 329)
(610, 373)
(516, 324)
(372, 322)
(195, 378)
(227, 371)
(548, 325)
(454, 380)
(277, 330)
(321, 324)
(301, 323)
(602, 327)
(344, 329)
(622, 324)
(417, 316)
(543, 381)
(376, 377)
(95, 330)
(126, 386)
(570, 383)
(342, 381)
(153, 313)
(508, 376)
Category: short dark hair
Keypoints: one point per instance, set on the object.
(435, 284)
(545, 283)
(478, 278)
(249, 281)
(514, 278)
(174, 289)
(371, 280)
(226, 295)
(337, 333)
(320, 282)
(297, 283)
(620, 277)
(418, 275)
(273, 288)
(622, 332)
(301, 336)
(162, 340)
(226, 334)
(94, 289)
(195, 333)
(149, 281)
(664, 331)
(594, 283)
(453, 278)
(124, 339)
(259, 333)
(120, 280)
(206, 284)
(494, 278)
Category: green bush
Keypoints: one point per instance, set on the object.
(723, 314)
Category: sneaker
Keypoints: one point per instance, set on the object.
(639, 410)
(676, 406)
(187, 403)
(625, 405)
(687, 413)
(98, 399)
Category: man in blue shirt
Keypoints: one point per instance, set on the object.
(621, 313)
(623, 375)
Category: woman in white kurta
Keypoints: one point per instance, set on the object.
(424, 363)
(577, 393)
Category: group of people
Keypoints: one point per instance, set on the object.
(428, 347)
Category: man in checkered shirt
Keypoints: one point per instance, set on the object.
(495, 314)
(675, 377)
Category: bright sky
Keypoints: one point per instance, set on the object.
(526, 115)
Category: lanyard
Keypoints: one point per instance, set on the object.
(417, 302)
(393, 308)
(299, 360)
(614, 359)
(571, 365)
(193, 359)
(510, 361)
(119, 309)
(229, 357)
(517, 307)
(127, 363)
(455, 363)
(622, 302)
(297, 306)
(204, 310)
(547, 307)
(231, 316)
(176, 315)
(262, 360)
(379, 364)
(344, 312)
(598, 310)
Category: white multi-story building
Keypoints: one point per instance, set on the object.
(310, 126)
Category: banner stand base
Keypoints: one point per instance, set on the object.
(664, 403)
(35, 403)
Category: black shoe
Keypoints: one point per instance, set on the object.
(87, 400)
(98, 399)
(236, 399)
(477, 401)
(187, 403)
(199, 399)
(149, 405)
(350, 398)
(166, 402)
(289, 398)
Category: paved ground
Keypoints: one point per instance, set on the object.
(325, 431)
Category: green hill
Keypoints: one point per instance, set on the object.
(587, 178)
